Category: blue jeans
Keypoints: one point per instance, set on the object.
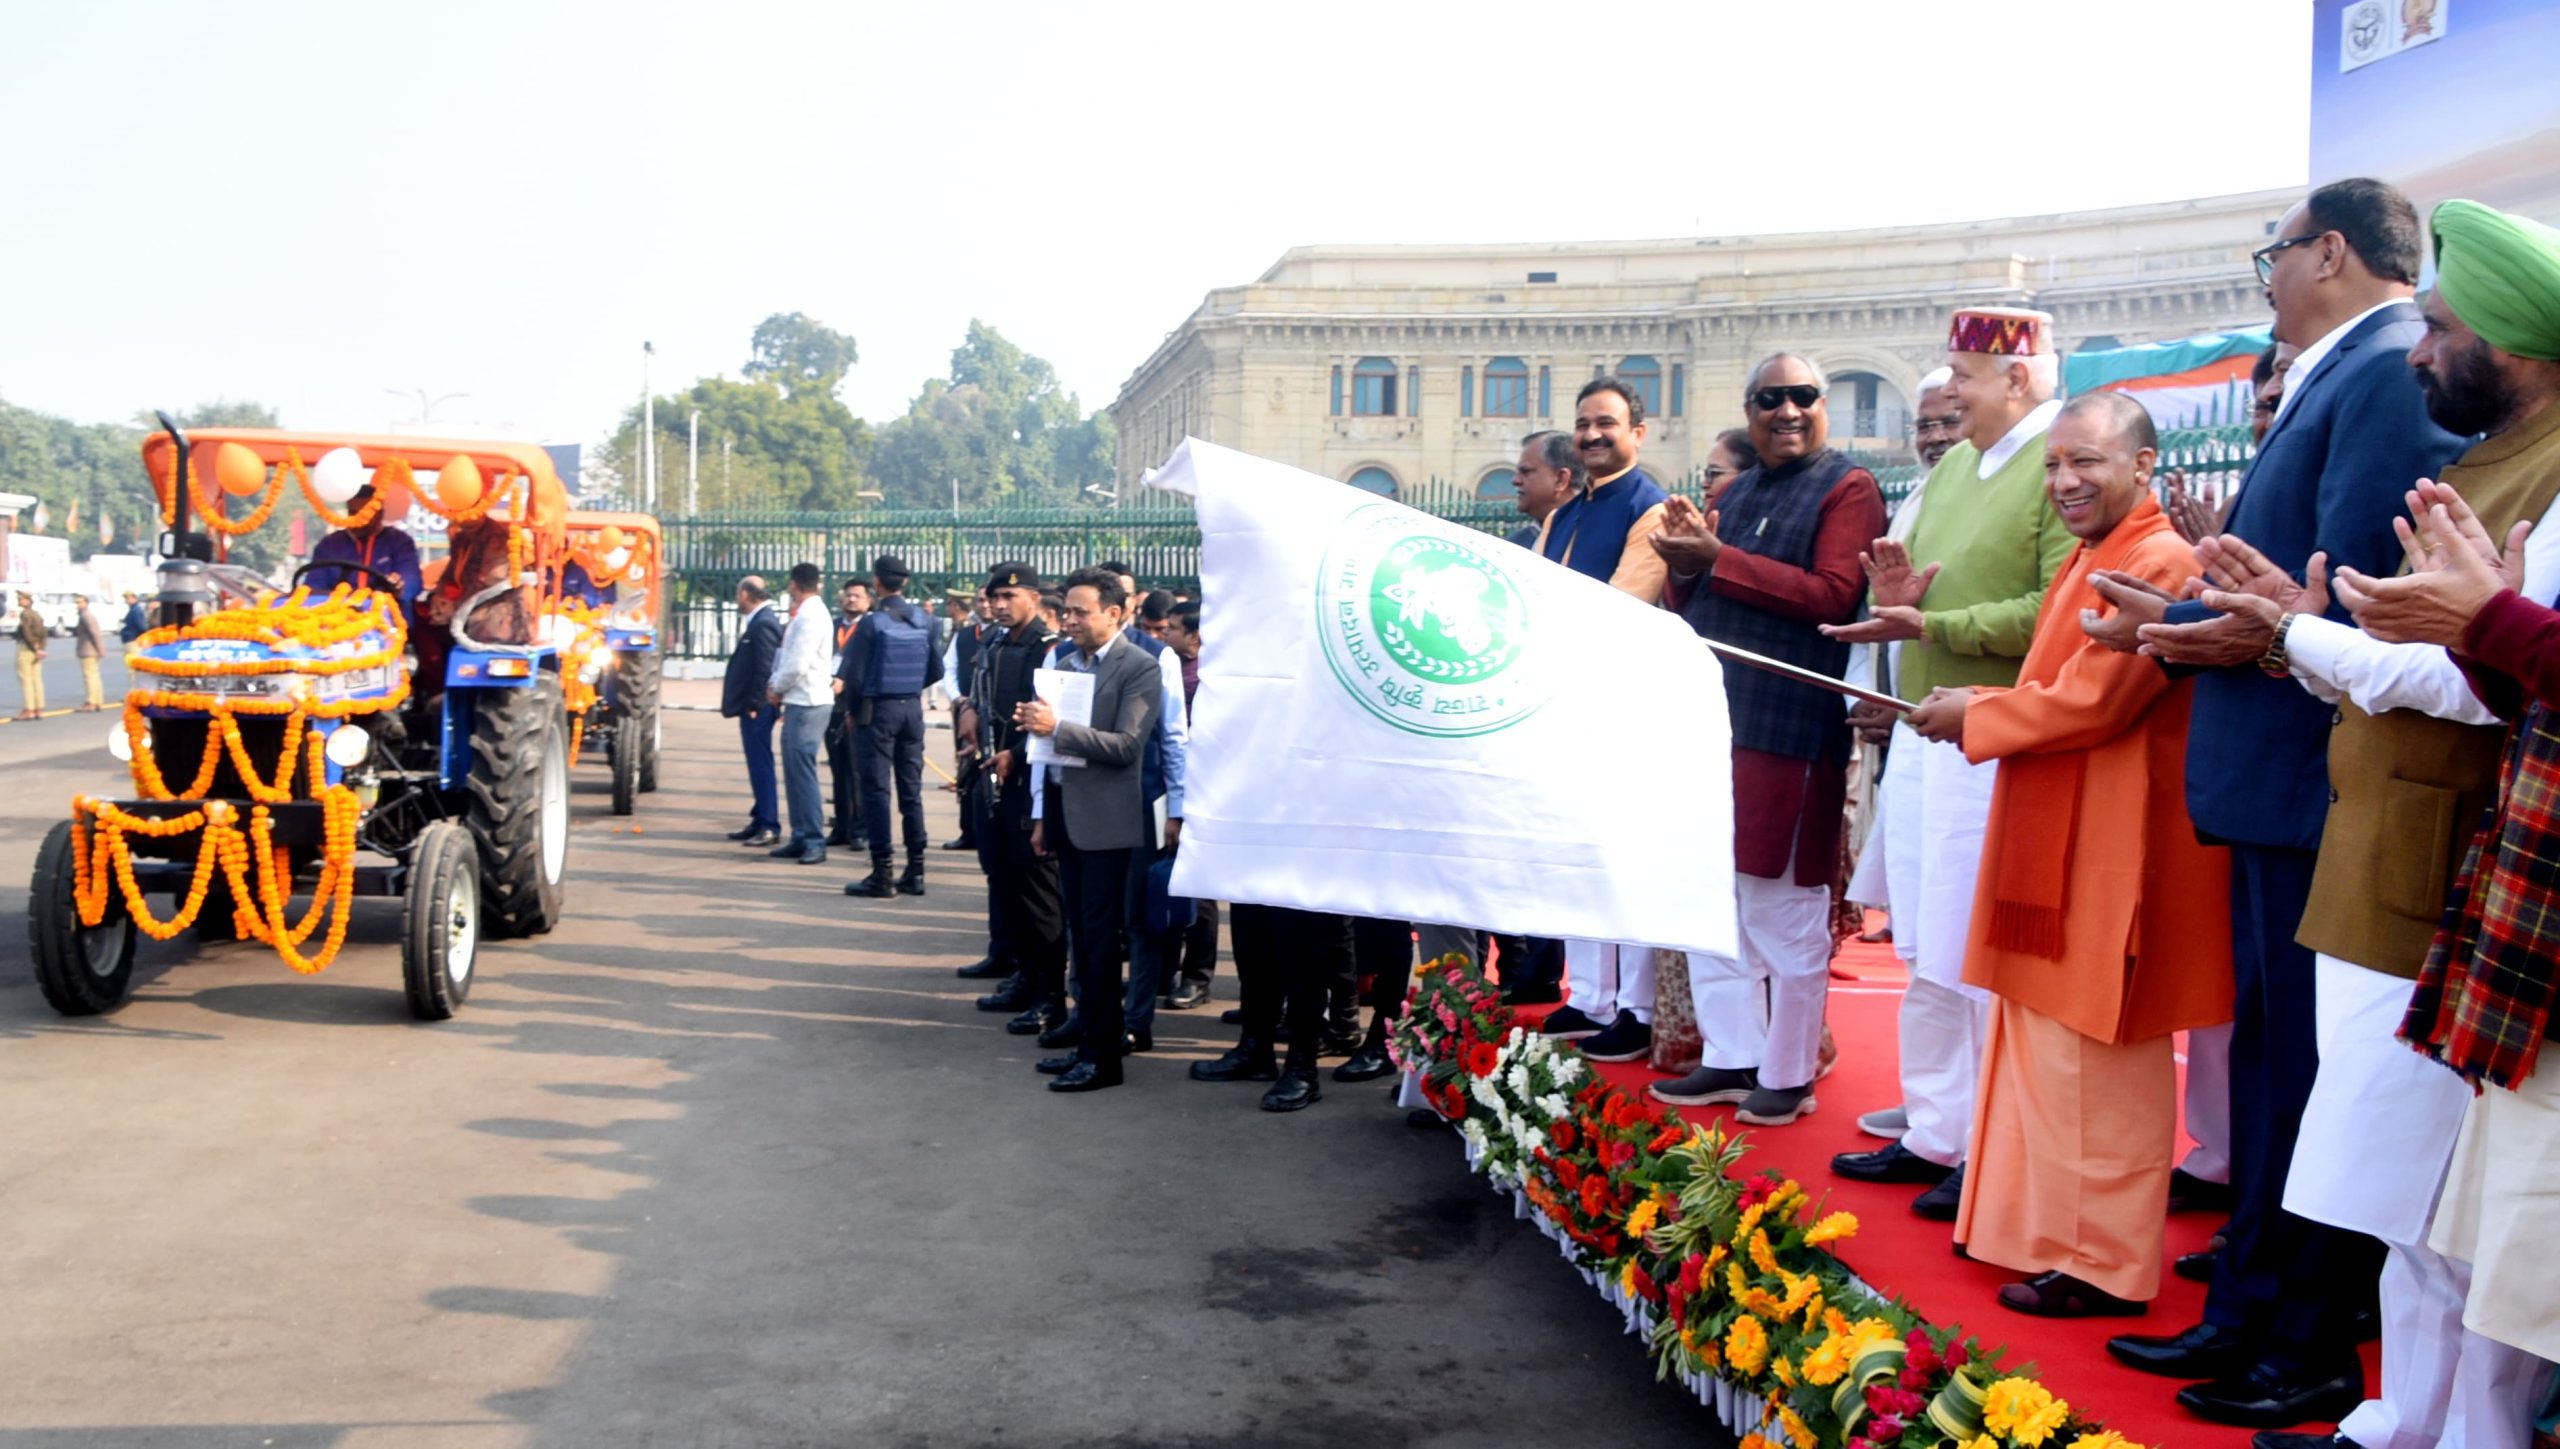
(804, 733)
(755, 732)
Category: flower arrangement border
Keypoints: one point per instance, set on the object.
(1727, 1276)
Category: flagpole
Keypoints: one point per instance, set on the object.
(1813, 677)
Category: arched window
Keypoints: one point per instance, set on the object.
(1373, 388)
(1374, 480)
(1495, 486)
(1645, 376)
(1506, 388)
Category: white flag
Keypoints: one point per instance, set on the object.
(1404, 718)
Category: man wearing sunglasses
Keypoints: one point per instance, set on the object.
(1777, 557)
(1992, 544)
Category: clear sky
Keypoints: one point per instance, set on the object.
(317, 204)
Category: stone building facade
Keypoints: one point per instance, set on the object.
(1388, 366)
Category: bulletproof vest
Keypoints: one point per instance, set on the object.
(901, 643)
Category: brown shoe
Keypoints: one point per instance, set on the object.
(2059, 1295)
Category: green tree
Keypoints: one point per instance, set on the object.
(799, 352)
(1000, 426)
(96, 468)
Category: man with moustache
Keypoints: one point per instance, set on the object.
(1993, 543)
(1602, 535)
(1547, 476)
(1777, 558)
(2351, 435)
(2083, 927)
(2414, 760)
(853, 600)
(1027, 940)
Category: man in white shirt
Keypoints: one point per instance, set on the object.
(800, 684)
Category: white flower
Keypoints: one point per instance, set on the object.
(1482, 1089)
(1533, 1142)
(1473, 1131)
(1568, 1071)
(1518, 1080)
(1555, 1106)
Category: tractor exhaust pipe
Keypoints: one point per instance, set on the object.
(184, 587)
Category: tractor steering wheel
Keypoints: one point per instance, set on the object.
(382, 583)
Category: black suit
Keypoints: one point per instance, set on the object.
(2353, 438)
(743, 690)
(1027, 930)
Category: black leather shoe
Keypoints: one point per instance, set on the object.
(839, 839)
(981, 969)
(1138, 1041)
(750, 833)
(814, 855)
(1939, 1203)
(1340, 1043)
(1064, 1034)
(761, 837)
(1245, 1062)
(960, 843)
(2201, 1352)
(1056, 1066)
(912, 883)
(1295, 1091)
(1892, 1162)
(790, 850)
(2189, 1193)
(877, 885)
(1186, 995)
(1232, 1016)
(2269, 1398)
(1040, 1018)
(1087, 1077)
(2277, 1439)
(1013, 995)
(2197, 1267)
(1366, 1065)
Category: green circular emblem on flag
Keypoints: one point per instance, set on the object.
(1427, 632)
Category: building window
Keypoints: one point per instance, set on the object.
(1542, 276)
(1413, 392)
(1679, 387)
(1645, 376)
(1466, 392)
(1375, 480)
(1373, 388)
(1546, 394)
(1336, 409)
(1495, 485)
(1506, 388)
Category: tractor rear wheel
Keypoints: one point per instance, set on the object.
(624, 756)
(440, 921)
(640, 714)
(82, 970)
(517, 805)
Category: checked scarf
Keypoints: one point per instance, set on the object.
(2483, 1003)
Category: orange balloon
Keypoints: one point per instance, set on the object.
(458, 484)
(611, 538)
(240, 471)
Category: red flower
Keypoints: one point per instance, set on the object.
(1889, 1427)
(1569, 1175)
(1921, 1355)
(1595, 1195)
(1646, 1288)
(1956, 1354)
(1481, 1057)
(1693, 1272)
(1913, 1376)
(1668, 1138)
(1562, 1135)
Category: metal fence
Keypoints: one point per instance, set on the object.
(1154, 533)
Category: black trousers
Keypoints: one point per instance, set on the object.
(1030, 934)
(1530, 960)
(1098, 883)
(976, 807)
(2286, 1282)
(1382, 954)
(1200, 946)
(892, 748)
(844, 776)
(1288, 960)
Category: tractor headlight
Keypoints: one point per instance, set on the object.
(348, 746)
(120, 744)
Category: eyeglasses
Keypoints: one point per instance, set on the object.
(1718, 470)
(1803, 395)
(2264, 258)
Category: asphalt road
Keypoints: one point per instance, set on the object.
(728, 1159)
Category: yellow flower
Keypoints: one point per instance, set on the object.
(1763, 1257)
(1795, 1427)
(1754, 1441)
(1764, 1303)
(1746, 1346)
(2103, 1439)
(1734, 1281)
(1813, 1313)
(1800, 1291)
(2011, 1406)
(1627, 1278)
(1980, 1441)
(1835, 1323)
(1750, 1223)
(1827, 1362)
(1831, 1229)
(1716, 1256)
(1642, 1219)
(2041, 1425)
(1784, 1369)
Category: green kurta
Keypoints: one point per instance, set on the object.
(1999, 543)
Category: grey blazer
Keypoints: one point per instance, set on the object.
(1103, 806)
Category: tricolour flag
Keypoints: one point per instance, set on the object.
(1403, 718)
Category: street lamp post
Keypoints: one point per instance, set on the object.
(648, 431)
(692, 458)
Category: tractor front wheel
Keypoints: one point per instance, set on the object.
(440, 921)
(518, 805)
(624, 756)
(82, 970)
(640, 714)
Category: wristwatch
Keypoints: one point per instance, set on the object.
(2275, 662)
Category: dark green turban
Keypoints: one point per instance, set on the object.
(2501, 275)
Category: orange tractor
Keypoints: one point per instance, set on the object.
(606, 625)
(367, 732)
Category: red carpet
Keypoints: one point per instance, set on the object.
(1902, 1255)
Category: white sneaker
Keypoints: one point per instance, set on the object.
(1888, 1123)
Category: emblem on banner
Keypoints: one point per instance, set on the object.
(1426, 632)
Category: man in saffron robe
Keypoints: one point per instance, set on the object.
(2084, 925)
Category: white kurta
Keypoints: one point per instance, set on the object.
(1936, 807)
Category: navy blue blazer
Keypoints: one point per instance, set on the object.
(2354, 438)
(750, 673)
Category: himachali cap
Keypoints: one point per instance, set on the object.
(1014, 576)
(2002, 331)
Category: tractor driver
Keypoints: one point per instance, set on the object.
(387, 551)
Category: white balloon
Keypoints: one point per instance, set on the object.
(614, 561)
(638, 574)
(338, 474)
